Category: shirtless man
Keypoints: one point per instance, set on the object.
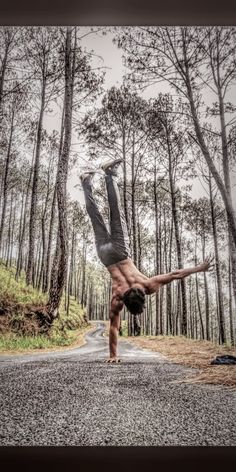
(129, 285)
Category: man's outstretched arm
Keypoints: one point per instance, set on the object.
(163, 279)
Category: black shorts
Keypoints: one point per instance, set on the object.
(112, 252)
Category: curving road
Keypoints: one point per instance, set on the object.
(73, 397)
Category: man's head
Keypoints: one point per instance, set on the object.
(134, 300)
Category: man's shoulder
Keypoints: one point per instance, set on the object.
(147, 285)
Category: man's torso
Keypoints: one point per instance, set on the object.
(124, 276)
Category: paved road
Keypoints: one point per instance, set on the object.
(74, 398)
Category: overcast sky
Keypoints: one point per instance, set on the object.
(107, 54)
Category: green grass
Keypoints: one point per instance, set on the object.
(74, 318)
(17, 295)
(124, 328)
(18, 291)
(13, 342)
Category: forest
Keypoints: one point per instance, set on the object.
(178, 145)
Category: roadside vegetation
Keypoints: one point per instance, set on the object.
(21, 309)
(193, 353)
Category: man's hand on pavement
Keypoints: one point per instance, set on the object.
(113, 360)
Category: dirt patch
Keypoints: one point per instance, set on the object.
(192, 353)
(23, 319)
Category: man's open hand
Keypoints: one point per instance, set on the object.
(207, 265)
(113, 360)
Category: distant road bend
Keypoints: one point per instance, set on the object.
(73, 397)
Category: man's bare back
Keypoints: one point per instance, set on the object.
(125, 275)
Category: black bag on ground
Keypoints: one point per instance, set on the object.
(224, 360)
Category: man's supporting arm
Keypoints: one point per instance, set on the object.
(114, 329)
(113, 334)
(163, 279)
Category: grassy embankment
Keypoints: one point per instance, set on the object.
(191, 353)
(20, 328)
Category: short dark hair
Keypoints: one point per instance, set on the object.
(134, 300)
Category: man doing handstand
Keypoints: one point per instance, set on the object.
(129, 285)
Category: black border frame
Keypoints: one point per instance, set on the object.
(117, 459)
(117, 12)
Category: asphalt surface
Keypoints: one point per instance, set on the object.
(74, 398)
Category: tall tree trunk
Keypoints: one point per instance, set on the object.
(12, 235)
(2, 77)
(56, 294)
(225, 161)
(139, 245)
(137, 319)
(83, 274)
(43, 229)
(161, 291)
(34, 195)
(166, 329)
(125, 198)
(49, 245)
(38, 260)
(205, 151)
(20, 230)
(5, 179)
(207, 310)
(157, 268)
(133, 206)
(231, 319)
(43, 232)
(197, 295)
(183, 324)
(232, 253)
(4, 68)
(190, 309)
(52, 216)
(78, 284)
(8, 242)
(22, 233)
(217, 265)
(177, 307)
(72, 265)
(168, 286)
(199, 307)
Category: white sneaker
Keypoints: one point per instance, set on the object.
(87, 175)
(111, 167)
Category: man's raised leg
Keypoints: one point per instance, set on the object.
(102, 235)
(119, 231)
